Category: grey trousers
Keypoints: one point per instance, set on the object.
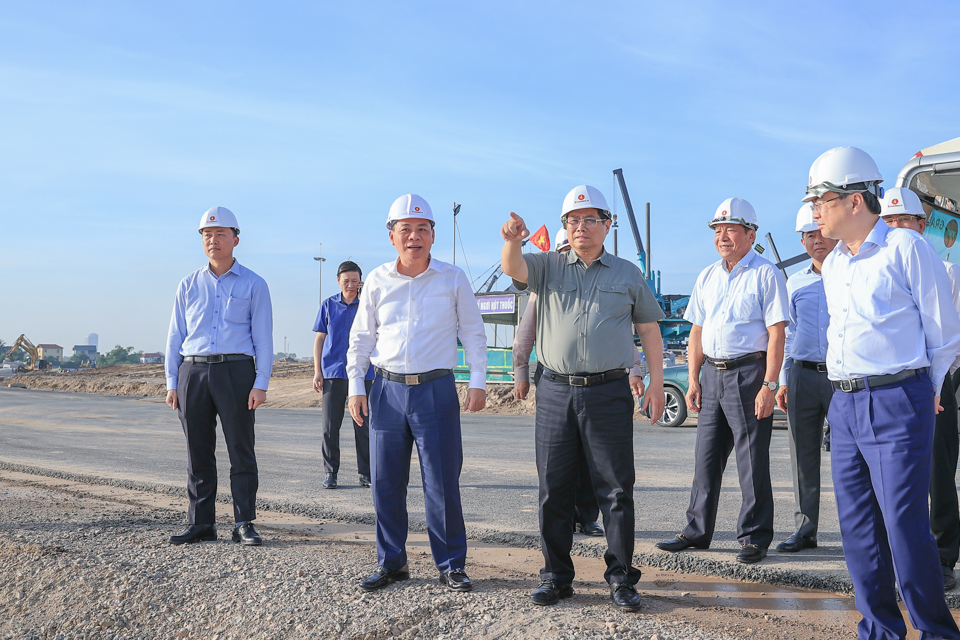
(727, 422)
(808, 399)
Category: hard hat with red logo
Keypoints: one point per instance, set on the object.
(409, 206)
(900, 201)
(561, 242)
(735, 211)
(584, 197)
(219, 217)
(843, 170)
(805, 221)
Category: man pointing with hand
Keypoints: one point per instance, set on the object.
(588, 303)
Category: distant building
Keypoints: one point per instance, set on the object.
(93, 340)
(50, 351)
(151, 358)
(88, 350)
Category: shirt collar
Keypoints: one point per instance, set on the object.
(236, 269)
(431, 266)
(339, 297)
(876, 238)
(744, 263)
(605, 258)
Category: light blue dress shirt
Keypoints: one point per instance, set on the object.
(735, 307)
(229, 314)
(807, 328)
(886, 314)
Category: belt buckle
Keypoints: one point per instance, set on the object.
(578, 381)
(410, 380)
(821, 367)
(847, 386)
(720, 364)
(216, 358)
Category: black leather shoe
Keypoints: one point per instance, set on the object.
(750, 553)
(625, 596)
(457, 580)
(679, 543)
(364, 480)
(590, 528)
(196, 533)
(246, 535)
(550, 592)
(797, 542)
(330, 482)
(949, 577)
(383, 576)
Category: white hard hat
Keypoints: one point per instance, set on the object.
(805, 221)
(735, 211)
(841, 167)
(409, 206)
(561, 241)
(584, 197)
(219, 217)
(900, 201)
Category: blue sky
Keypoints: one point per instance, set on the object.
(122, 122)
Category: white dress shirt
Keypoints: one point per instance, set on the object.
(735, 307)
(953, 274)
(410, 324)
(806, 334)
(885, 311)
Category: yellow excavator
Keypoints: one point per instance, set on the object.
(23, 342)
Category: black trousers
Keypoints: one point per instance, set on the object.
(204, 392)
(335, 392)
(944, 511)
(727, 421)
(586, 509)
(594, 424)
(808, 400)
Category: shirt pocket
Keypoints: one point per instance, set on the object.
(237, 310)
(746, 306)
(614, 300)
(562, 296)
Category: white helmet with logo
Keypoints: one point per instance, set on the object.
(561, 241)
(900, 201)
(844, 170)
(219, 217)
(409, 206)
(735, 211)
(805, 221)
(584, 197)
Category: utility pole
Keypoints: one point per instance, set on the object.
(320, 260)
(456, 210)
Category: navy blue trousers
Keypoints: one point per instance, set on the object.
(594, 424)
(428, 415)
(881, 450)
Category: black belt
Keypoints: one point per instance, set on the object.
(820, 367)
(733, 363)
(856, 384)
(413, 378)
(586, 380)
(217, 358)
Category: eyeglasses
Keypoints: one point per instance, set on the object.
(817, 206)
(905, 219)
(588, 223)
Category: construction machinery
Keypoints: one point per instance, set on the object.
(23, 342)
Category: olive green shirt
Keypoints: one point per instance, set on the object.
(586, 315)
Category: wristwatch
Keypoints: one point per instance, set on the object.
(773, 386)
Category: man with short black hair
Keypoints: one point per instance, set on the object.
(218, 363)
(330, 373)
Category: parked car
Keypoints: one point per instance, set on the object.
(675, 391)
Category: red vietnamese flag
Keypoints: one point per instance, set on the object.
(541, 239)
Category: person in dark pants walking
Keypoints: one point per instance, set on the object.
(588, 304)
(218, 363)
(892, 338)
(901, 208)
(739, 310)
(412, 311)
(330, 374)
(805, 391)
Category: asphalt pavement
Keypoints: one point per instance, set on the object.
(140, 440)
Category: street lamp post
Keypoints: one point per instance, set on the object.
(456, 210)
(320, 260)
